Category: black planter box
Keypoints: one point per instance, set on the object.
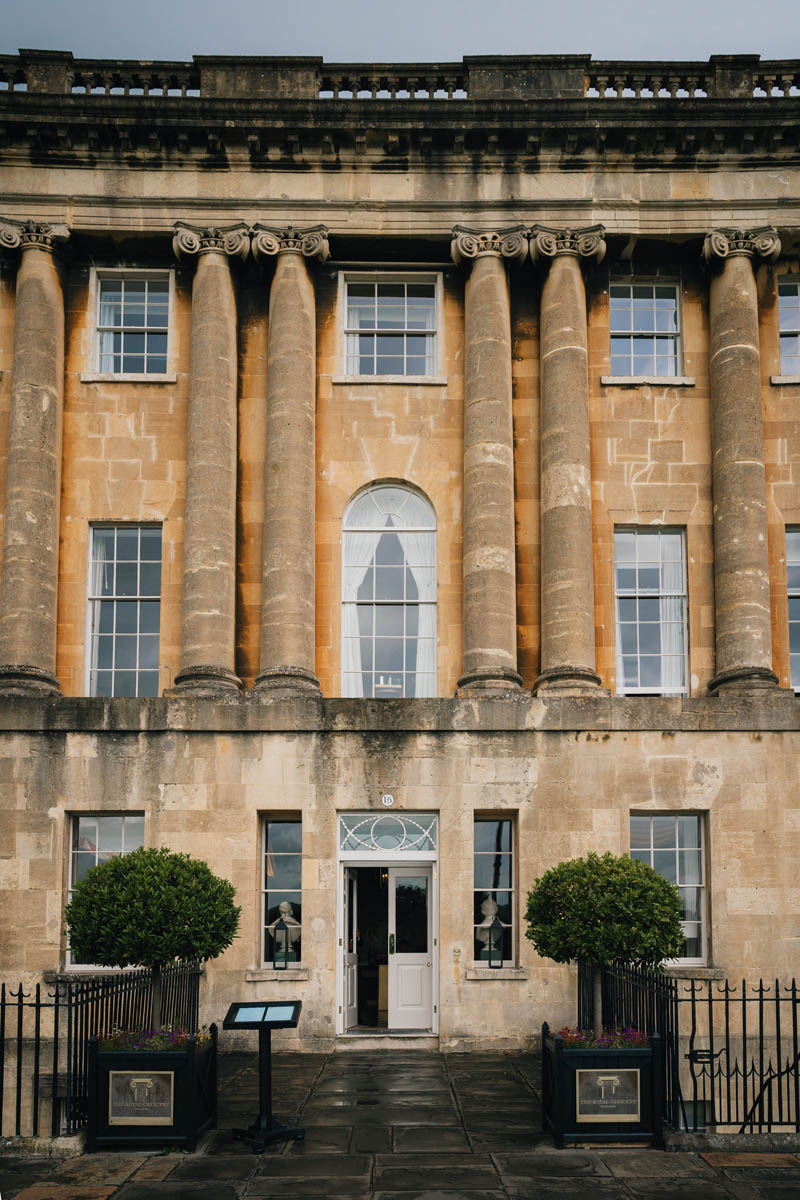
(151, 1098)
(593, 1095)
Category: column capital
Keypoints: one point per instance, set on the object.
(233, 240)
(720, 244)
(311, 243)
(15, 235)
(588, 242)
(499, 243)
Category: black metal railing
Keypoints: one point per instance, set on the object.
(44, 1039)
(731, 1051)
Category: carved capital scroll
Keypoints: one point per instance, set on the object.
(502, 243)
(311, 243)
(753, 243)
(233, 240)
(15, 235)
(588, 242)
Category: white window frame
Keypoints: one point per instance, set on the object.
(390, 276)
(266, 819)
(792, 593)
(74, 818)
(98, 274)
(512, 854)
(91, 598)
(434, 530)
(661, 690)
(686, 961)
(793, 282)
(643, 335)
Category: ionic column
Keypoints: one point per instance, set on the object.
(741, 561)
(209, 546)
(287, 606)
(490, 602)
(567, 620)
(33, 489)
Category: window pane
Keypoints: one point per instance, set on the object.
(492, 871)
(148, 683)
(125, 618)
(150, 579)
(149, 616)
(493, 835)
(388, 583)
(126, 580)
(640, 832)
(109, 835)
(689, 832)
(689, 868)
(124, 683)
(501, 899)
(389, 619)
(664, 861)
(284, 836)
(664, 832)
(283, 871)
(133, 833)
(125, 652)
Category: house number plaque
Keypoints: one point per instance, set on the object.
(140, 1097)
(607, 1095)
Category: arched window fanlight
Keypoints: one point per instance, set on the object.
(389, 594)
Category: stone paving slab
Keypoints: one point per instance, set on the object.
(66, 1191)
(97, 1169)
(554, 1164)
(718, 1159)
(679, 1189)
(18, 1172)
(653, 1164)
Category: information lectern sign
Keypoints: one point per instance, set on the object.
(265, 1015)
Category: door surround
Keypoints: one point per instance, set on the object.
(363, 848)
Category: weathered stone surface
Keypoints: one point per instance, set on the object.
(28, 605)
(288, 607)
(489, 627)
(741, 558)
(567, 614)
(209, 547)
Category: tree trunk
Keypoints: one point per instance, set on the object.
(597, 998)
(156, 994)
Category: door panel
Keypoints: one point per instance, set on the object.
(410, 962)
(350, 927)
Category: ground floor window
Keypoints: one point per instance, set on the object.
(97, 838)
(282, 894)
(494, 887)
(672, 844)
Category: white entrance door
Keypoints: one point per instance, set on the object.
(410, 948)
(350, 948)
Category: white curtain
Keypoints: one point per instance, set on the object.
(673, 641)
(420, 549)
(359, 549)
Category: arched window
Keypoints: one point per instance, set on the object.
(389, 595)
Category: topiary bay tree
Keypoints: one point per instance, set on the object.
(151, 908)
(599, 910)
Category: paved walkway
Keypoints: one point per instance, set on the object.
(398, 1126)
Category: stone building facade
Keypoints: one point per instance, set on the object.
(401, 496)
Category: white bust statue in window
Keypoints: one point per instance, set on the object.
(489, 910)
(291, 933)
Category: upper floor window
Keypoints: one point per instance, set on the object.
(789, 320)
(645, 329)
(389, 595)
(672, 844)
(390, 325)
(132, 322)
(793, 585)
(124, 610)
(651, 603)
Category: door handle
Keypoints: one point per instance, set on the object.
(391, 943)
(427, 964)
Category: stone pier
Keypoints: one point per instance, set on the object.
(567, 621)
(490, 603)
(208, 631)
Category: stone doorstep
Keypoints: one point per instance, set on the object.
(753, 1159)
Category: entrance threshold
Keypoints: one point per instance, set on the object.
(384, 1039)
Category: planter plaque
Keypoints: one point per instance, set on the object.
(141, 1097)
(607, 1095)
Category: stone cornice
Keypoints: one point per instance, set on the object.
(752, 243)
(311, 243)
(580, 243)
(500, 243)
(16, 235)
(233, 240)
